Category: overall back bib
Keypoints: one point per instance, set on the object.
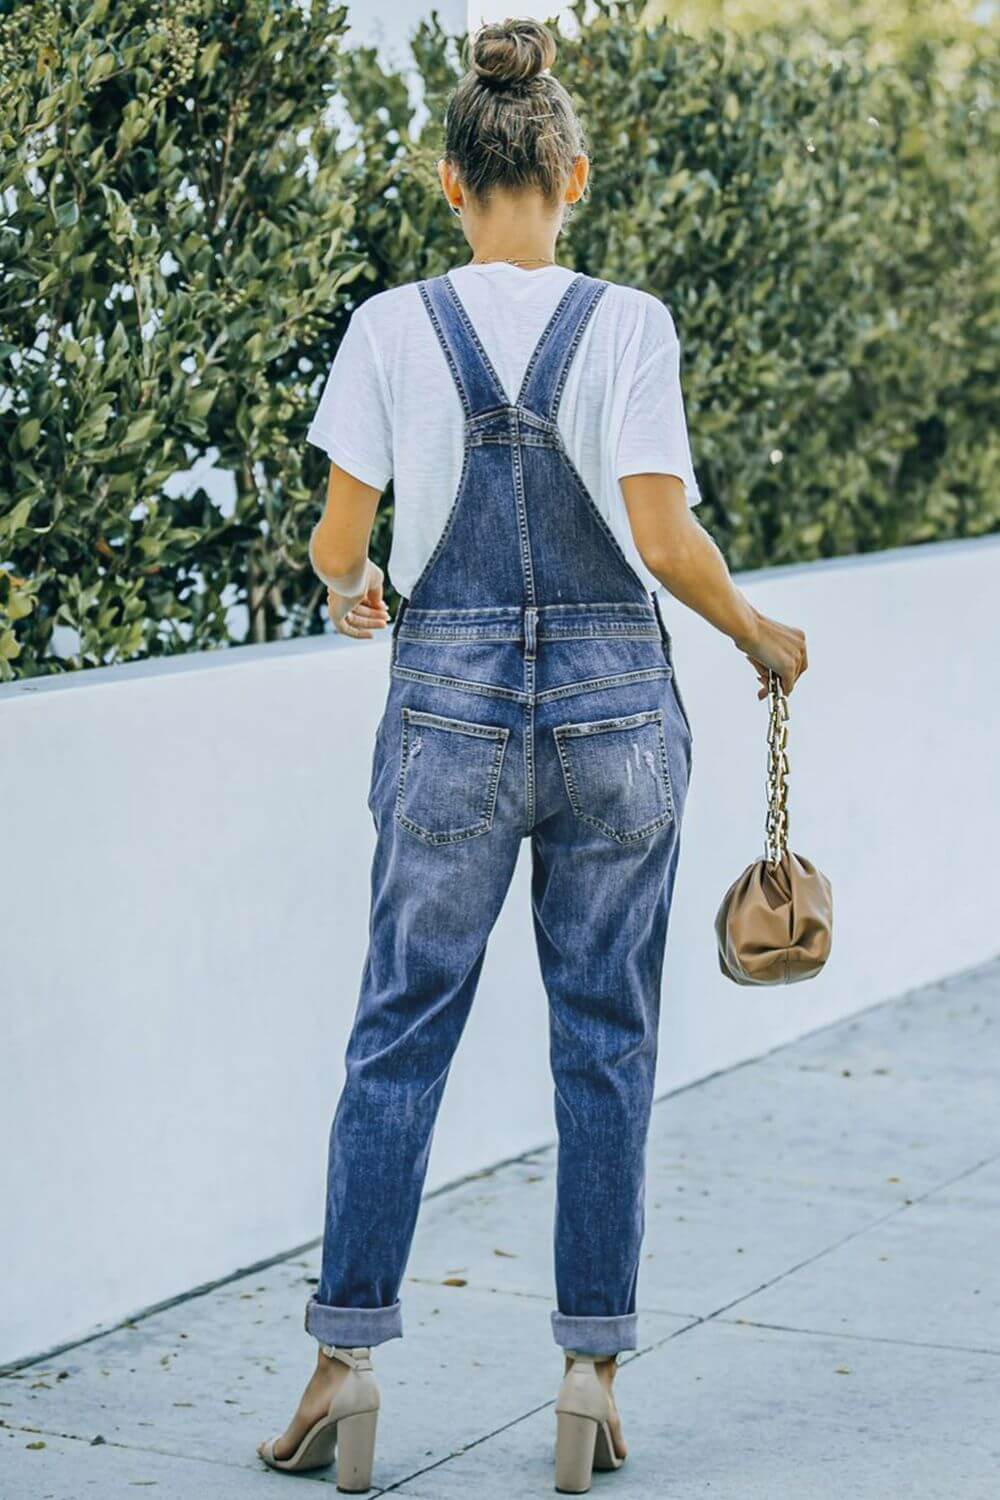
(531, 694)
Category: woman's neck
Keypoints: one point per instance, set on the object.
(512, 230)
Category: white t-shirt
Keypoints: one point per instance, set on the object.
(390, 409)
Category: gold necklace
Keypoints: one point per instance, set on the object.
(511, 260)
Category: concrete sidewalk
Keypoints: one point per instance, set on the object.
(819, 1307)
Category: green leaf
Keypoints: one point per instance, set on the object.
(140, 429)
(200, 403)
(102, 66)
(15, 518)
(208, 58)
(19, 605)
(28, 433)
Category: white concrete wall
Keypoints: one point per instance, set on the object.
(183, 893)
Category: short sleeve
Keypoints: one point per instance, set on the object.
(353, 421)
(654, 435)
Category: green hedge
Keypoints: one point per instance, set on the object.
(184, 231)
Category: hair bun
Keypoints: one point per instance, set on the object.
(512, 52)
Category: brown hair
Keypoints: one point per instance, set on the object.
(509, 123)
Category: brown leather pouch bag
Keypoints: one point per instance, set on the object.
(775, 924)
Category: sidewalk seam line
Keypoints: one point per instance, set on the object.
(859, 1338)
(893, 1213)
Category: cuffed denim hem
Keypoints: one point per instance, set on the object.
(596, 1335)
(360, 1327)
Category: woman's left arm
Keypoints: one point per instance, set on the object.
(338, 551)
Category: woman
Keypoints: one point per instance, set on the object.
(533, 422)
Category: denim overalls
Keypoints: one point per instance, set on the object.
(531, 694)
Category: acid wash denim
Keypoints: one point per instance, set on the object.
(531, 695)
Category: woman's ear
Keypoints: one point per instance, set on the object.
(450, 186)
(577, 184)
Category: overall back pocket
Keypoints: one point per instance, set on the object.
(449, 772)
(616, 774)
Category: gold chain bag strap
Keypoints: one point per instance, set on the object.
(775, 924)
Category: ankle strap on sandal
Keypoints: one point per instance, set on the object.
(359, 1357)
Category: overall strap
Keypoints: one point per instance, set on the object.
(549, 365)
(478, 384)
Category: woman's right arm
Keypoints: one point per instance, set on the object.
(680, 553)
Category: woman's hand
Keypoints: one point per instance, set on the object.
(360, 615)
(772, 646)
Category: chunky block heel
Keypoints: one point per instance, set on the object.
(584, 1409)
(347, 1429)
(576, 1444)
(356, 1452)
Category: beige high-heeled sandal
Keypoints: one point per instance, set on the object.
(583, 1435)
(348, 1429)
